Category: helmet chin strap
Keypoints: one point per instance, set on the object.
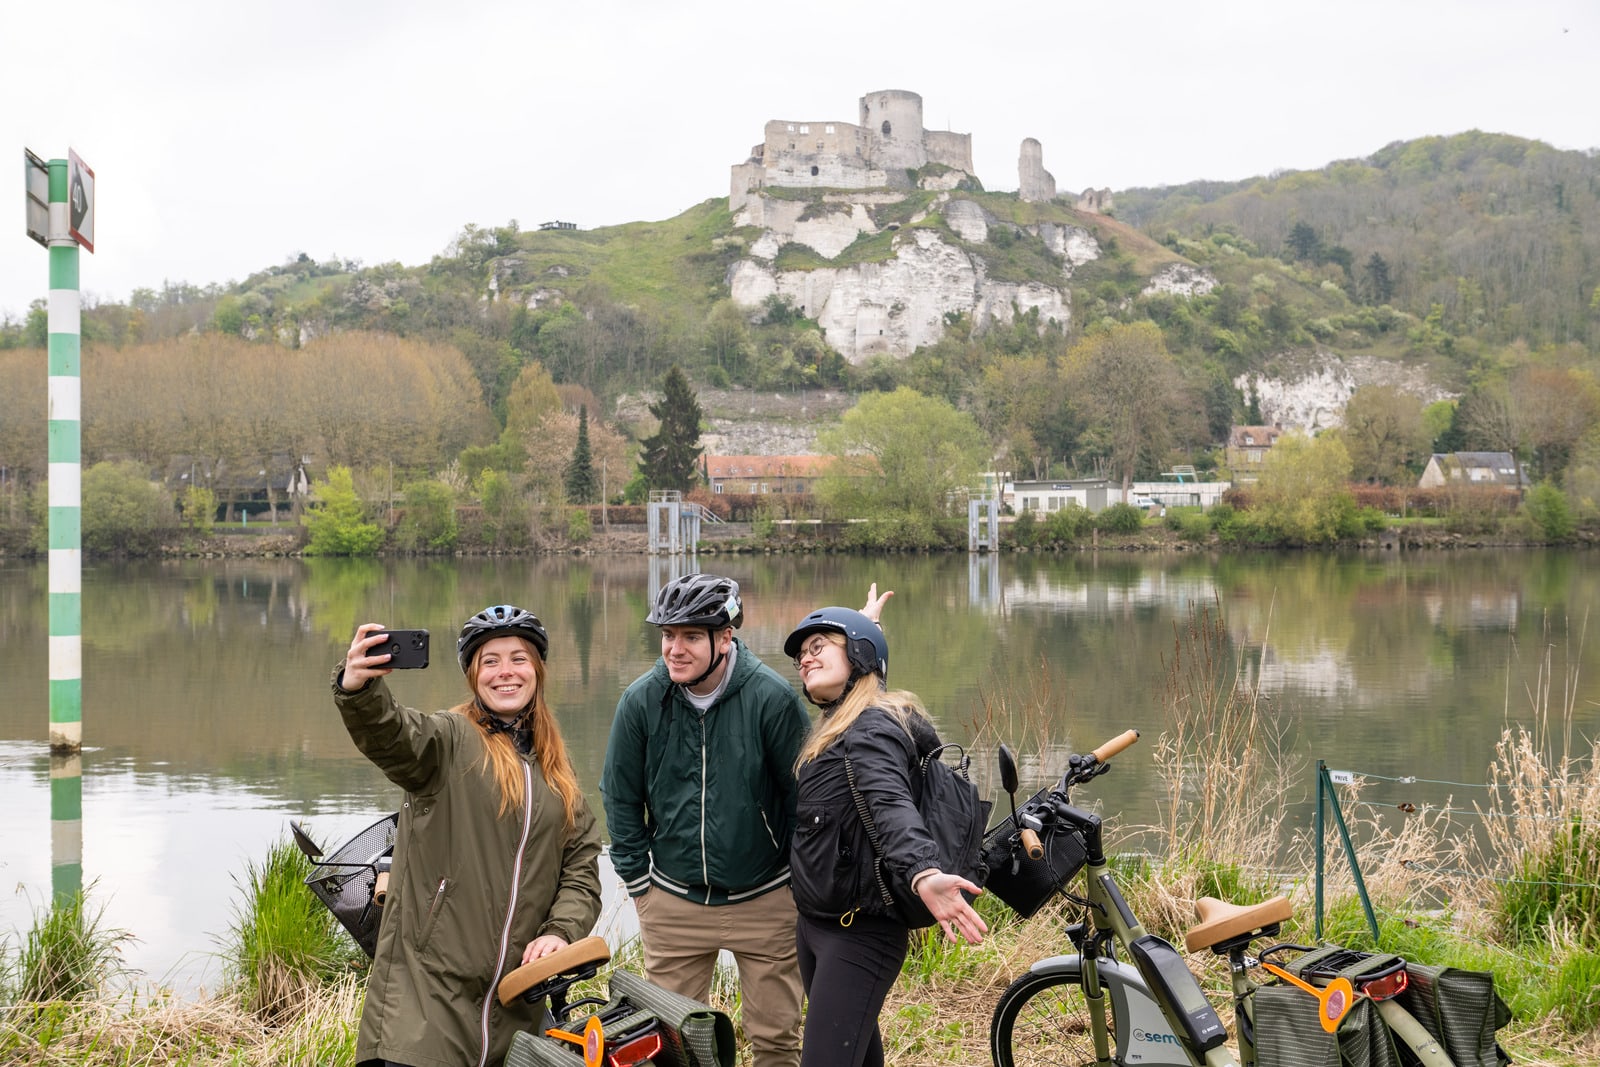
(497, 725)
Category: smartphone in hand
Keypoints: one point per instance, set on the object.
(408, 649)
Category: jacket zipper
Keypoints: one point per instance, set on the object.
(511, 910)
(705, 866)
(433, 908)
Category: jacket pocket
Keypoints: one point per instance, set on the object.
(819, 864)
(436, 906)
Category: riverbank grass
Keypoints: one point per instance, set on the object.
(284, 950)
(67, 954)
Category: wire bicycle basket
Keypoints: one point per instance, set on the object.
(349, 880)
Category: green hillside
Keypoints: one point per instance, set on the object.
(1497, 236)
(1475, 257)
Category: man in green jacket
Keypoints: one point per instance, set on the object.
(699, 792)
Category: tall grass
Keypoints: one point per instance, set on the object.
(1544, 817)
(284, 950)
(66, 960)
(163, 1029)
(1543, 832)
(1222, 759)
(67, 954)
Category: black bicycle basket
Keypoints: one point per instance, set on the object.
(1025, 884)
(345, 878)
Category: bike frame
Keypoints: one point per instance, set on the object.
(1147, 1003)
(1150, 1022)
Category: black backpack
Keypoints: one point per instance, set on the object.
(955, 817)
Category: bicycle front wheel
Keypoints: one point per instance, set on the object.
(1043, 1019)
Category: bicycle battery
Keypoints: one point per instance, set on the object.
(1175, 988)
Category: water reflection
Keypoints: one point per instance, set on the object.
(208, 722)
(66, 825)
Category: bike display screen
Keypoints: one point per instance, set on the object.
(1175, 987)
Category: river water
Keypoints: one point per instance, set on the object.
(208, 724)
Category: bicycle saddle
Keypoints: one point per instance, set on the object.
(1221, 921)
(588, 952)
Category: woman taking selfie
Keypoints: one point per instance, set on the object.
(495, 858)
(851, 944)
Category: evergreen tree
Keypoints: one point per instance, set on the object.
(1304, 242)
(1379, 286)
(580, 479)
(1455, 435)
(669, 457)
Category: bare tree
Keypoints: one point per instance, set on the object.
(1127, 385)
(1385, 434)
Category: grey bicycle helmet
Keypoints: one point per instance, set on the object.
(502, 620)
(864, 644)
(698, 600)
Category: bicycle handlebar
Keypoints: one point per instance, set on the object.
(1115, 745)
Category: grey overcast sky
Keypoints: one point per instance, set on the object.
(227, 137)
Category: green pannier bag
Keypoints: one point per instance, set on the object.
(1461, 1010)
(1288, 1034)
(692, 1034)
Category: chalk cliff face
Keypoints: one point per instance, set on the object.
(1180, 279)
(1308, 392)
(870, 308)
(897, 305)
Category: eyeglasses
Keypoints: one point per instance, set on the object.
(812, 648)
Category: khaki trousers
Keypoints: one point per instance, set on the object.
(681, 941)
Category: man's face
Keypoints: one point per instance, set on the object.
(688, 651)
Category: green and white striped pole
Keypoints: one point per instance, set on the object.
(66, 477)
(66, 547)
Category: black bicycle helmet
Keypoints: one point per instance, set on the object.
(864, 644)
(698, 600)
(502, 620)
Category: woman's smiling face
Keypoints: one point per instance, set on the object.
(824, 668)
(507, 677)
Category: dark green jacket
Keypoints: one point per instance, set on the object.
(469, 889)
(703, 805)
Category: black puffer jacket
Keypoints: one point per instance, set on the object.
(830, 860)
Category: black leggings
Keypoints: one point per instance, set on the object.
(847, 973)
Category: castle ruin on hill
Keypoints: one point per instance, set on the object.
(880, 152)
(875, 153)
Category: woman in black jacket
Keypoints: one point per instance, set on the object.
(851, 944)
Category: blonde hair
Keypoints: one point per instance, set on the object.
(866, 692)
(500, 757)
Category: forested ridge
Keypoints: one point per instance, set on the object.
(1501, 234)
(1475, 257)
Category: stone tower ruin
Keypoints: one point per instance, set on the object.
(1033, 181)
(877, 152)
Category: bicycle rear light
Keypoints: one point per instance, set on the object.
(1385, 986)
(634, 1050)
(1387, 979)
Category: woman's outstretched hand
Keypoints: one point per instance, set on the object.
(942, 894)
(875, 603)
(360, 667)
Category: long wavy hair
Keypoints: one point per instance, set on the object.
(867, 691)
(500, 756)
